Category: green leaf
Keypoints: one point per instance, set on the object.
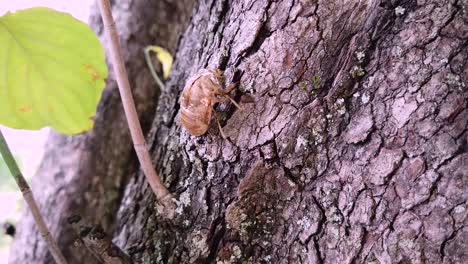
(52, 71)
(164, 57)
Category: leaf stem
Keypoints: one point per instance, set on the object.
(28, 196)
(163, 196)
(152, 70)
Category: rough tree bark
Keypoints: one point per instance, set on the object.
(351, 148)
(354, 149)
(86, 174)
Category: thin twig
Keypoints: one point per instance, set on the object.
(163, 196)
(28, 196)
(152, 70)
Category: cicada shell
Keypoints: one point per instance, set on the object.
(198, 98)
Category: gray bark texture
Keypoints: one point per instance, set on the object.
(86, 174)
(352, 149)
(352, 146)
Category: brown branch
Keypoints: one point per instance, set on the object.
(98, 242)
(32, 204)
(163, 196)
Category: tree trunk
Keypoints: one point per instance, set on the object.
(353, 149)
(351, 146)
(86, 174)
